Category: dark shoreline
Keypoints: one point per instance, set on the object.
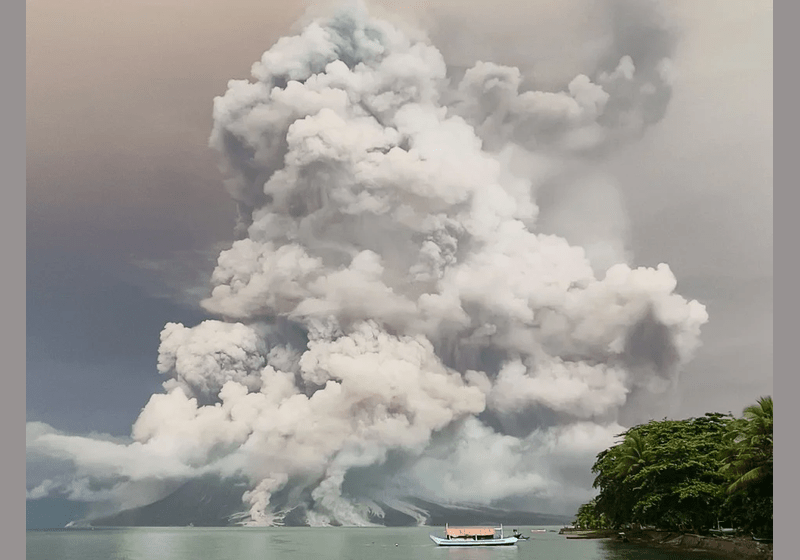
(740, 548)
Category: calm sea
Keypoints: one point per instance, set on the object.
(303, 543)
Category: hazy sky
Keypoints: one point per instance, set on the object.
(126, 212)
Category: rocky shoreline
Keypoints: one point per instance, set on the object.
(740, 548)
(744, 548)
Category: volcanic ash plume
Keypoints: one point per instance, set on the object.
(391, 321)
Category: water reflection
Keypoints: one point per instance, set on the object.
(320, 544)
(496, 553)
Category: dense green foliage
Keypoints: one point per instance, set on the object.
(688, 475)
(589, 518)
(747, 458)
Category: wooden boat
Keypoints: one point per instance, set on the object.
(474, 536)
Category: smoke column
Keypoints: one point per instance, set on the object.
(392, 321)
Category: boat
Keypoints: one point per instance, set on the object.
(762, 539)
(720, 531)
(474, 536)
(538, 530)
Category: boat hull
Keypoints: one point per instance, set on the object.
(507, 541)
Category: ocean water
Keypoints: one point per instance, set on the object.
(304, 543)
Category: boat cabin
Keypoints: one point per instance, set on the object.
(469, 533)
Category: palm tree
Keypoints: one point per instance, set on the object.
(633, 455)
(748, 457)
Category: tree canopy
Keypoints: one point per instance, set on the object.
(688, 475)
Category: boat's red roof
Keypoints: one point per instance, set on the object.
(469, 531)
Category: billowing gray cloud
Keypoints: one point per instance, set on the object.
(392, 292)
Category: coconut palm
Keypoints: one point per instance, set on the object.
(632, 456)
(748, 457)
